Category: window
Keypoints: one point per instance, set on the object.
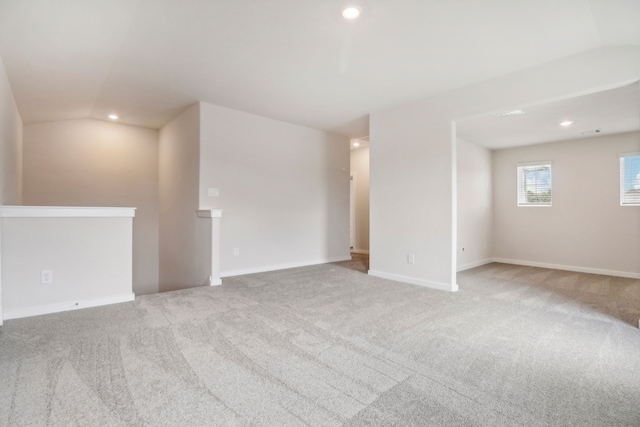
(534, 184)
(630, 179)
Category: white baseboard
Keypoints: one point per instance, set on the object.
(65, 306)
(414, 281)
(283, 266)
(360, 251)
(569, 268)
(474, 264)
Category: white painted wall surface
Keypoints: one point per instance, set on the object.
(91, 261)
(10, 150)
(413, 170)
(586, 227)
(475, 205)
(412, 209)
(10, 145)
(185, 247)
(360, 170)
(284, 190)
(89, 162)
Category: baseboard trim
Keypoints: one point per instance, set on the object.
(573, 268)
(65, 306)
(360, 251)
(283, 266)
(474, 264)
(414, 281)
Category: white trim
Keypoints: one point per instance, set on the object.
(576, 269)
(66, 306)
(282, 266)
(474, 264)
(209, 213)
(360, 251)
(413, 281)
(65, 212)
(353, 209)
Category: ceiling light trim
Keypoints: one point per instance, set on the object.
(351, 12)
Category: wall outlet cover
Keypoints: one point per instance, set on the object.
(46, 276)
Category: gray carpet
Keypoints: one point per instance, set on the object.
(329, 345)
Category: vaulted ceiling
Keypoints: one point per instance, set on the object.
(293, 60)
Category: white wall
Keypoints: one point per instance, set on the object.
(89, 162)
(10, 149)
(10, 144)
(413, 172)
(360, 171)
(284, 190)
(475, 205)
(585, 228)
(91, 261)
(185, 258)
(412, 210)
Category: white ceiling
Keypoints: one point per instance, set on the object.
(609, 112)
(292, 60)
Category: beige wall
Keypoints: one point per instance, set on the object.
(360, 172)
(185, 258)
(475, 205)
(95, 163)
(284, 190)
(10, 144)
(586, 227)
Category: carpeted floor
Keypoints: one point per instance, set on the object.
(329, 345)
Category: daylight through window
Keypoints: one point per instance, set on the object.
(534, 184)
(630, 179)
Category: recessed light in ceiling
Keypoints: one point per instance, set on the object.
(113, 117)
(356, 144)
(351, 12)
(566, 123)
(511, 113)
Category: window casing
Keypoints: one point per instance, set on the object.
(534, 184)
(630, 179)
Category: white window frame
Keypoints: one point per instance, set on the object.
(623, 182)
(521, 185)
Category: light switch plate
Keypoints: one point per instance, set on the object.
(214, 192)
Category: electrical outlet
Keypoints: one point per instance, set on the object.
(213, 192)
(411, 259)
(46, 276)
(236, 251)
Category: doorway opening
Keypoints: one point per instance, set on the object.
(359, 196)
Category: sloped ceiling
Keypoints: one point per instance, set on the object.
(602, 113)
(296, 61)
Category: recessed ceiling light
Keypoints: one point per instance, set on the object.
(356, 144)
(113, 117)
(511, 113)
(565, 124)
(351, 12)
